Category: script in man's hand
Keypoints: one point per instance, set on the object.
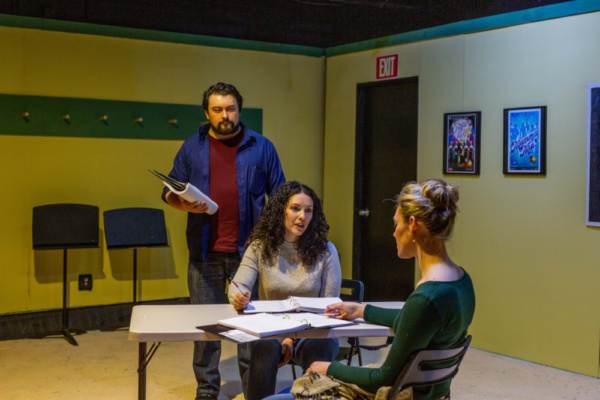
(187, 191)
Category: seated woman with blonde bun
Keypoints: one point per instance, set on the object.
(436, 315)
(289, 254)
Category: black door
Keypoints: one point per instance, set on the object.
(386, 158)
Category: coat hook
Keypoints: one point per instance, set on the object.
(104, 119)
(66, 118)
(139, 122)
(173, 121)
(25, 116)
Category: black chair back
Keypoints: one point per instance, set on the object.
(352, 290)
(420, 369)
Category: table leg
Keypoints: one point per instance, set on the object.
(142, 372)
(144, 358)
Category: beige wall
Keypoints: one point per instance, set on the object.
(112, 173)
(534, 263)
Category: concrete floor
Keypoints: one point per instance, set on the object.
(104, 365)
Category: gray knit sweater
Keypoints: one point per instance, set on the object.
(287, 277)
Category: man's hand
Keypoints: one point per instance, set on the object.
(180, 203)
(198, 207)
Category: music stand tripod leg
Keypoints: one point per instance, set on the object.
(66, 332)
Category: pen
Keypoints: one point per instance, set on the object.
(238, 288)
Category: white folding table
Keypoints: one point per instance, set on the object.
(177, 323)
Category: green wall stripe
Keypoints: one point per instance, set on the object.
(18, 21)
(46, 118)
(475, 25)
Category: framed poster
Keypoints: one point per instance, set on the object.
(462, 143)
(592, 211)
(525, 140)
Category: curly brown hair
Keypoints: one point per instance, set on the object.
(269, 231)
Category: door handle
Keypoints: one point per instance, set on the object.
(364, 213)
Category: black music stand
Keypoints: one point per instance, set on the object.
(65, 226)
(132, 228)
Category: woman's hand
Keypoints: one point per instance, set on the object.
(320, 367)
(240, 301)
(287, 349)
(346, 310)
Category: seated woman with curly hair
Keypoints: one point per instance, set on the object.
(288, 252)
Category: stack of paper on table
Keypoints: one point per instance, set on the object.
(316, 321)
(264, 325)
(291, 304)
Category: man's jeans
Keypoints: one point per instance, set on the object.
(207, 283)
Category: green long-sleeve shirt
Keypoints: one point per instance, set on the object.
(435, 316)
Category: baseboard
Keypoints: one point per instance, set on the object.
(106, 317)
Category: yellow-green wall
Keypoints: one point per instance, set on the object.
(524, 241)
(112, 173)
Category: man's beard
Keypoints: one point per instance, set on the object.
(224, 129)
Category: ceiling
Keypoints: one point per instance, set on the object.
(316, 23)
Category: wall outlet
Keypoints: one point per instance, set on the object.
(85, 282)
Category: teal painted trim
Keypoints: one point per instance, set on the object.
(159, 121)
(480, 24)
(17, 21)
(494, 22)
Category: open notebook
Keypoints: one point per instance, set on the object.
(291, 304)
(265, 325)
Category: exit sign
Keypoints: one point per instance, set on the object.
(387, 67)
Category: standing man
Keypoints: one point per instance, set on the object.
(236, 168)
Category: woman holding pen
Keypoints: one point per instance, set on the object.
(439, 311)
(289, 254)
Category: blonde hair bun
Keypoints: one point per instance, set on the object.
(433, 202)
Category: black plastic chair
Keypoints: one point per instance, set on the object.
(352, 290)
(65, 226)
(347, 353)
(421, 370)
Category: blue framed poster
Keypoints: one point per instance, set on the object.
(525, 140)
(592, 211)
